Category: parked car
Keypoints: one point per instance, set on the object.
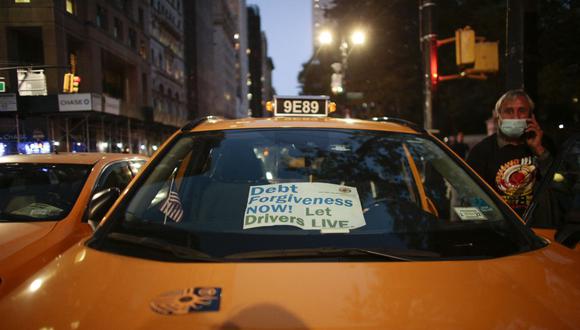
(305, 222)
(46, 201)
(555, 209)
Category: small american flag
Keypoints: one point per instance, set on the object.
(172, 207)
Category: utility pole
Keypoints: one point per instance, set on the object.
(344, 61)
(521, 54)
(428, 41)
(514, 52)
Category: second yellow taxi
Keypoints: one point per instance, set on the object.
(46, 202)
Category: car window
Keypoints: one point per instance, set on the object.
(39, 192)
(241, 191)
(116, 175)
(559, 200)
(135, 166)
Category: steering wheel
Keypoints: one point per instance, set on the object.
(55, 200)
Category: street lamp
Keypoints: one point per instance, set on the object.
(325, 38)
(338, 78)
(358, 37)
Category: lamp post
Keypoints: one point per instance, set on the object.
(338, 78)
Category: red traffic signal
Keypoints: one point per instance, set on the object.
(75, 84)
(434, 74)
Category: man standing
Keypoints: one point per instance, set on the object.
(513, 159)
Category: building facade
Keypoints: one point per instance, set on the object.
(167, 62)
(255, 59)
(109, 45)
(268, 91)
(146, 67)
(241, 52)
(199, 60)
(216, 59)
(319, 21)
(225, 83)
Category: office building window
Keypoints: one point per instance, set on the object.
(141, 18)
(123, 5)
(142, 49)
(101, 19)
(118, 29)
(132, 38)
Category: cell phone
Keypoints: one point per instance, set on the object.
(530, 135)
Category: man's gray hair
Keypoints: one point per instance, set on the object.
(512, 95)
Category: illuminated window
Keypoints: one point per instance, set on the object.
(21, 1)
(71, 7)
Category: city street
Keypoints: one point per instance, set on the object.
(289, 164)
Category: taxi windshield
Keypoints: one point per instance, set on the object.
(250, 192)
(39, 192)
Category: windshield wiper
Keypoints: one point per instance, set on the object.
(179, 251)
(398, 255)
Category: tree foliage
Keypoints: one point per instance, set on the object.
(388, 69)
(559, 72)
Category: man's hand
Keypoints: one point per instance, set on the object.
(534, 136)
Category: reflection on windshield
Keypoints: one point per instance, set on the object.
(408, 194)
(39, 192)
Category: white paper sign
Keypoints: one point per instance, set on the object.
(469, 213)
(75, 102)
(310, 206)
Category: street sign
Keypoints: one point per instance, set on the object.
(354, 95)
(8, 102)
(31, 82)
(2, 86)
(112, 105)
(79, 102)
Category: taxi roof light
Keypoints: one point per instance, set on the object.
(301, 106)
(331, 107)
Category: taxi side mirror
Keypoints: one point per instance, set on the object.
(568, 235)
(100, 204)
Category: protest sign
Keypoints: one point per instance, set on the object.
(309, 206)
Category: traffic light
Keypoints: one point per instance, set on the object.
(336, 83)
(464, 46)
(433, 66)
(486, 57)
(76, 80)
(67, 84)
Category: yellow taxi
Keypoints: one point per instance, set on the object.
(301, 221)
(46, 202)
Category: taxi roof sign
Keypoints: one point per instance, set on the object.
(303, 106)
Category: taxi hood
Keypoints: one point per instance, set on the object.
(14, 236)
(92, 289)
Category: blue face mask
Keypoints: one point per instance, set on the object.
(513, 128)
